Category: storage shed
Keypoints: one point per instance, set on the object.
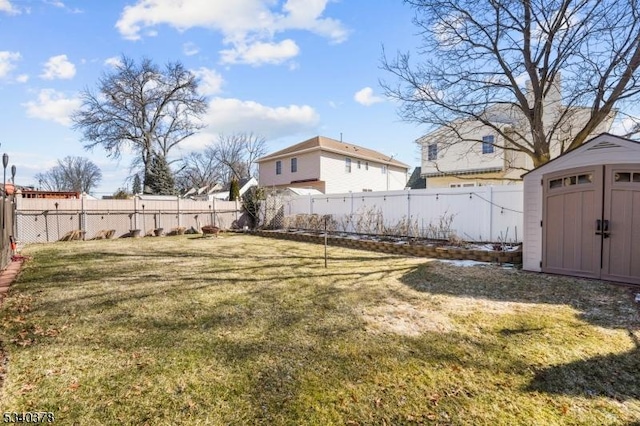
(582, 212)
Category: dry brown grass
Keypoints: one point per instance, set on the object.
(245, 330)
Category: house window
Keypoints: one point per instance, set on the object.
(384, 169)
(359, 164)
(278, 167)
(347, 165)
(294, 165)
(366, 165)
(432, 152)
(487, 144)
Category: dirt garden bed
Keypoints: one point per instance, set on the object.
(506, 253)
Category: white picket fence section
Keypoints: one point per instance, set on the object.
(485, 213)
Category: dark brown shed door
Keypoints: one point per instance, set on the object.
(591, 225)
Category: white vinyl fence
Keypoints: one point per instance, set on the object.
(45, 220)
(486, 213)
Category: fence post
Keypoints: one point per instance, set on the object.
(409, 212)
(82, 225)
(57, 221)
(135, 213)
(46, 223)
(178, 216)
(213, 211)
(17, 229)
(490, 203)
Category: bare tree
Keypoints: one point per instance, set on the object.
(71, 174)
(197, 170)
(143, 108)
(236, 154)
(229, 157)
(475, 57)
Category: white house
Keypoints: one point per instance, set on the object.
(331, 166)
(223, 194)
(467, 152)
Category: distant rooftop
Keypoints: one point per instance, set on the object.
(332, 145)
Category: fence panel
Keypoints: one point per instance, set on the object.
(473, 214)
(96, 221)
(46, 220)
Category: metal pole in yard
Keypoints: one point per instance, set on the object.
(325, 241)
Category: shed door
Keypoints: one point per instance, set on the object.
(572, 204)
(591, 225)
(621, 242)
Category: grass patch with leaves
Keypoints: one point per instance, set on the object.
(244, 330)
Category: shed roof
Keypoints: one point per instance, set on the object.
(597, 145)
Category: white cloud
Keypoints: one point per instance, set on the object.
(210, 81)
(53, 106)
(624, 126)
(190, 49)
(366, 97)
(113, 61)
(261, 53)
(59, 4)
(58, 67)
(249, 27)
(7, 7)
(22, 78)
(56, 3)
(7, 62)
(306, 15)
(228, 115)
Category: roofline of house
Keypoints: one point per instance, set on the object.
(334, 151)
(463, 172)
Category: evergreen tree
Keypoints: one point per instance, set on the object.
(137, 185)
(234, 190)
(251, 202)
(160, 179)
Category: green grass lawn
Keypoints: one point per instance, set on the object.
(248, 330)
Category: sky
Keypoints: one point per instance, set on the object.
(288, 70)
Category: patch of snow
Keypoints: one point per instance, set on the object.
(463, 263)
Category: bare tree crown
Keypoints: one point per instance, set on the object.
(476, 56)
(142, 107)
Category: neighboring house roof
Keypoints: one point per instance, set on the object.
(244, 185)
(416, 181)
(322, 143)
(304, 191)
